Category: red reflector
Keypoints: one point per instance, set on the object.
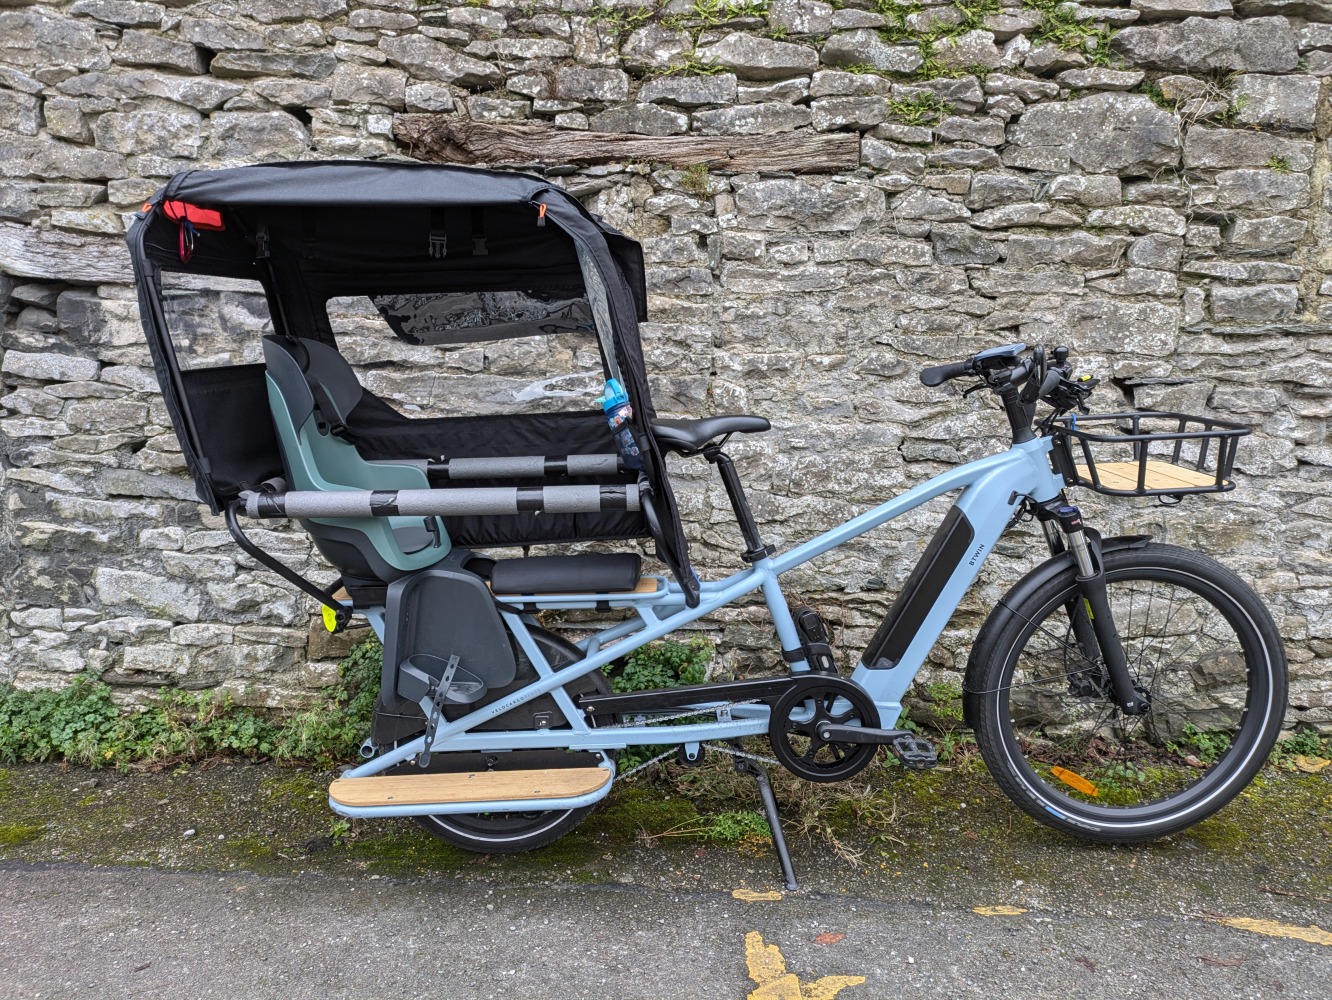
(200, 218)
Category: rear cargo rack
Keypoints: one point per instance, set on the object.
(1147, 453)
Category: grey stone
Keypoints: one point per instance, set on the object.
(1262, 190)
(1024, 214)
(964, 92)
(655, 47)
(690, 91)
(864, 47)
(1218, 148)
(1268, 233)
(1101, 79)
(847, 112)
(30, 156)
(124, 13)
(219, 36)
(918, 203)
(972, 48)
(912, 135)
(958, 243)
(349, 52)
(21, 113)
(996, 281)
(428, 97)
(850, 17)
(752, 119)
(1139, 281)
(166, 133)
(427, 59)
(815, 207)
(1232, 271)
(790, 91)
(1314, 10)
(1261, 45)
(581, 83)
(640, 119)
(1138, 219)
(308, 65)
(1010, 22)
(1156, 250)
(1022, 87)
(1202, 235)
(474, 18)
(801, 17)
(961, 158)
(1125, 330)
(984, 131)
(397, 20)
(256, 136)
(1156, 10)
(365, 85)
(12, 79)
(1282, 101)
(1049, 58)
(165, 599)
(64, 119)
(520, 48)
(1091, 190)
(1178, 87)
(305, 94)
(277, 11)
(891, 157)
(991, 190)
(839, 83)
(49, 367)
(1102, 133)
(1254, 303)
(1081, 249)
(755, 58)
(143, 48)
(1315, 36)
(39, 38)
(497, 109)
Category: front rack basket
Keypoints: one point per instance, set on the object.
(1147, 453)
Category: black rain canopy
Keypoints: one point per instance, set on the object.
(447, 255)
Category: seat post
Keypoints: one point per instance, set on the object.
(755, 548)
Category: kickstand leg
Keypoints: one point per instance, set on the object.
(757, 772)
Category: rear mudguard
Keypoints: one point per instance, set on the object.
(1028, 585)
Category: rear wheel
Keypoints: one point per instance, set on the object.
(514, 832)
(1202, 650)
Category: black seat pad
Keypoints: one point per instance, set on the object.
(582, 574)
(688, 436)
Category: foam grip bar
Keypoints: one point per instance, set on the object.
(525, 467)
(485, 501)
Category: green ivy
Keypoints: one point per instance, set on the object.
(662, 664)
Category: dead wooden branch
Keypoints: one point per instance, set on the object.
(448, 139)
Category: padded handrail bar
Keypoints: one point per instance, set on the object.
(489, 500)
(524, 467)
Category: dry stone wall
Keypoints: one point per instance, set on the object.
(1145, 182)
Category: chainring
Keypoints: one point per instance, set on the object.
(795, 720)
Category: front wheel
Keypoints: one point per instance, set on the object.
(1202, 650)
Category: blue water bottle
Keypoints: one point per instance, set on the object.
(618, 411)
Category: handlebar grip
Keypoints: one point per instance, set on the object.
(940, 374)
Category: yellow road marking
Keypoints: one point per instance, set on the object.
(1314, 935)
(998, 911)
(767, 967)
(755, 896)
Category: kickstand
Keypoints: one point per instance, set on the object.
(757, 772)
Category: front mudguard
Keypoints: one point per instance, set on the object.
(1033, 581)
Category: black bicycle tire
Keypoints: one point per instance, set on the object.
(1004, 637)
(470, 832)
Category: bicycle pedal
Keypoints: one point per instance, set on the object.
(915, 753)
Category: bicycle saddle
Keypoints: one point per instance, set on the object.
(689, 436)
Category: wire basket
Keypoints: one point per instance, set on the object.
(1147, 453)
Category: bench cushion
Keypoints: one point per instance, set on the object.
(581, 574)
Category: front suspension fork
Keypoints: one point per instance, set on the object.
(1091, 619)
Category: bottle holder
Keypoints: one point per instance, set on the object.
(1147, 453)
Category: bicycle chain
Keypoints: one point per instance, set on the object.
(715, 747)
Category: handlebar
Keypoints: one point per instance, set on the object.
(940, 374)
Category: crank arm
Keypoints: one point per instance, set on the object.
(860, 734)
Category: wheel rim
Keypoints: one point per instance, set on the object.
(1200, 660)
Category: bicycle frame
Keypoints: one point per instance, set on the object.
(991, 489)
